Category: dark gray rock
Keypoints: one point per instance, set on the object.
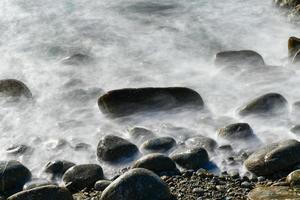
(18, 149)
(296, 58)
(77, 59)
(124, 102)
(295, 129)
(271, 103)
(293, 179)
(141, 134)
(160, 144)
(82, 176)
(37, 183)
(274, 158)
(238, 131)
(192, 160)
(58, 167)
(293, 46)
(113, 148)
(13, 176)
(14, 88)
(156, 162)
(102, 185)
(137, 184)
(201, 141)
(43, 193)
(239, 58)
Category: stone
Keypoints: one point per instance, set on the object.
(239, 58)
(295, 129)
(137, 184)
(79, 177)
(102, 185)
(293, 46)
(294, 178)
(207, 143)
(43, 193)
(34, 183)
(58, 167)
(268, 104)
(141, 134)
(159, 144)
(238, 131)
(192, 160)
(274, 158)
(296, 58)
(128, 101)
(77, 59)
(156, 162)
(274, 192)
(18, 149)
(14, 88)
(13, 176)
(113, 148)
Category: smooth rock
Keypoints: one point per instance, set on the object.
(43, 193)
(77, 59)
(82, 176)
(274, 193)
(160, 144)
(238, 131)
(18, 149)
(102, 185)
(293, 46)
(34, 183)
(13, 176)
(14, 88)
(194, 159)
(141, 134)
(294, 178)
(207, 143)
(156, 162)
(274, 158)
(296, 58)
(271, 103)
(124, 102)
(58, 167)
(239, 58)
(113, 148)
(137, 184)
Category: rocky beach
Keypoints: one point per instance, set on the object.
(140, 100)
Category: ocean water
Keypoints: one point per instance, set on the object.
(137, 43)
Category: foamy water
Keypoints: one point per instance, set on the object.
(136, 44)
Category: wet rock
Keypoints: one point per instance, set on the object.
(14, 88)
(141, 134)
(238, 131)
(37, 183)
(18, 149)
(194, 159)
(294, 178)
(239, 58)
(271, 103)
(274, 192)
(202, 141)
(293, 46)
(82, 176)
(58, 167)
(124, 102)
(77, 59)
(160, 144)
(274, 158)
(295, 129)
(113, 148)
(156, 162)
(137, 184)
(296, 58)
(13, 176)
(102, 185)
(43, 193)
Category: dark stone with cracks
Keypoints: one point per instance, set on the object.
(137, 184)
(124, 102)
(113, 148)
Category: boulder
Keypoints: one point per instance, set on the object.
(192, 160)
(274, 158)
(102, 185)
(82, 176)
(34, 183)
(207, 143)
(113, 148)
(124, 102)
(268, 104)
(293, 46)
(43, 193)
(58, 167)
(156, 162)
(238, 131)
(14, 88)
(159, 144)
(239, 58)
(137, 184)
(141, 134)
(13, 176)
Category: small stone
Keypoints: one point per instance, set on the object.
(102, 184)
(160, 144)
(294, 178)
(58, 168)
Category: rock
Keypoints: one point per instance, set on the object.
(82, 176)
(112, 148)
(194, 159)
(124, 102)
(293, 46)
(271, 103)
(238, 131)
(18, 149)
(13, 176)
(239, 58)
(296, 58)
(295, 129)
(58, 167)
(294, 178)
(141, 134)
(101, 185)
(274, 193)
(274, 158)
(43, 193)
(137, 184)
(37, 183)
(14, 88)
(202, 141)
(156, 162)
(77, 59)
(159, 144)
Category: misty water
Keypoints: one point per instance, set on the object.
(137, 44)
